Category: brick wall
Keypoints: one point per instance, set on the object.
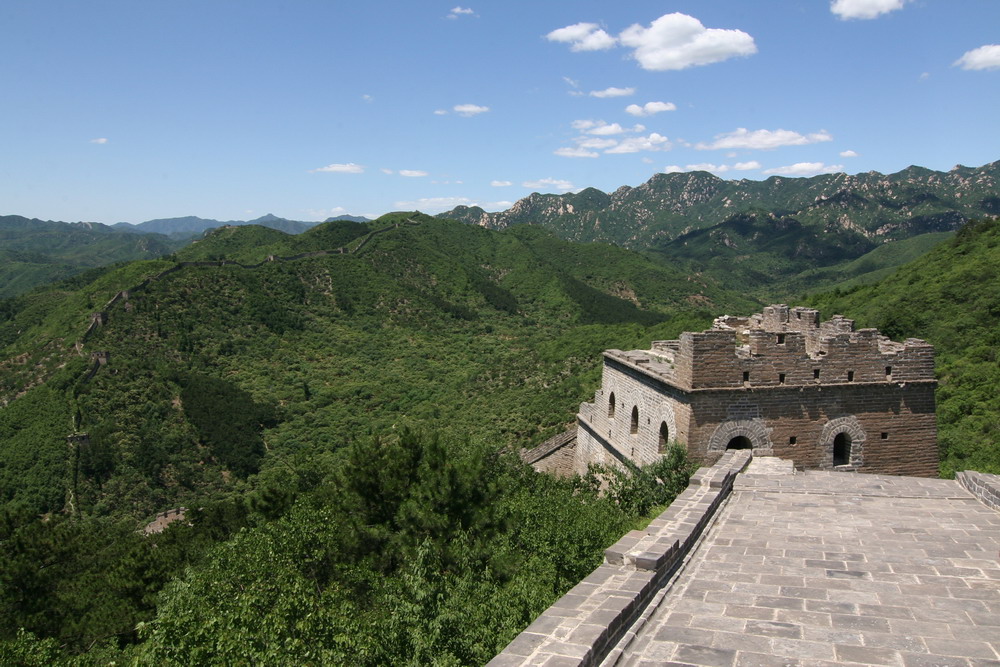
(787, 382)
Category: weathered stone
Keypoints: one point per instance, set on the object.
(817, 393)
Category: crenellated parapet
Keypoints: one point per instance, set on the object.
(781, 347)
(782, 381)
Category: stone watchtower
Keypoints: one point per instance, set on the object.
(782, 383)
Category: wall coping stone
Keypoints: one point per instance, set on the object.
(587, 622)
(984, 486)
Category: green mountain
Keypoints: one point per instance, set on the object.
(951, 298)
(775, 256)
(336, 409)
(878, 207)
(189, 226)
(773, 237)
(35, 252)
(246, 301)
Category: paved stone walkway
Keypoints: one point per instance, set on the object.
(823, 568)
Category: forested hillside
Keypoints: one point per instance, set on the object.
(950, 297)
(35, 252)
(770, 238)
(772, 256)
(337, 425)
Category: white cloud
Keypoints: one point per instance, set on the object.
(498, 205)
(649, 108)
(708, 166)
(575, 85)
(603, 128)
(595, 142)
(714, 168)
(864, 9)
(459, 11)
(412, 173)
(678, 41)
(599, 135)
(349, 168)
(321, 213)
(653, 142)
(468, 110)
(440, 112)
(805, 169)
(501, 184)
(985, 57)
(848, 154)
(613, 92)
(606, 129)
(763, 139)
(368, 98)
(549, 184)
(99, 140)
(583, 37)
(578, 151)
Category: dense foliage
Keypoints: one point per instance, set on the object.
(773, 256)
(951, 298)
(336, 425)
(34, 252)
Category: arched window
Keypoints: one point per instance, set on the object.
(634, 428)
(842, 449)
(611, 406)
(664, 437)
(740, 442)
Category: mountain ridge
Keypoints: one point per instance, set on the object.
(881, 207)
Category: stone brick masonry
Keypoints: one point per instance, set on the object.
(781, 382)
(775, 566)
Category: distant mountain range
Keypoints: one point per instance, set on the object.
(34, 252)
(193, 226)
(876, 206)
(773, 236)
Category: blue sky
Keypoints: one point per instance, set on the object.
(230, 109)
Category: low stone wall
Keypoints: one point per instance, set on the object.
(982, 485)
(585, 625)
(554, 456)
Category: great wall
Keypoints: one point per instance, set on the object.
(797, 560)
(779, 552)
(780, 382)
(760, 563)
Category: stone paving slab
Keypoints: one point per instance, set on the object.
(832, 568)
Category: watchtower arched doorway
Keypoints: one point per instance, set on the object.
(634, 427)
(611, 406)
(842, 449)
(740, 442)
